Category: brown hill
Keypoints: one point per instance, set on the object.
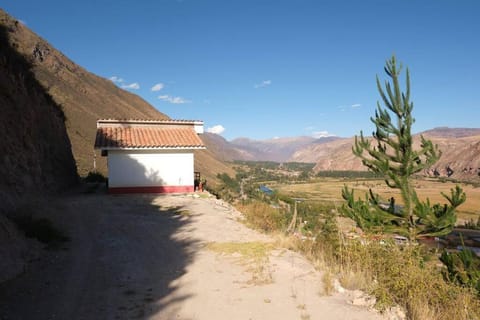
(36, 153)
(85, 97)
(460, 154)
(223, 149)
(211, 162)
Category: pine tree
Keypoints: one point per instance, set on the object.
(394, 158)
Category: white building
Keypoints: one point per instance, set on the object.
(149, 156)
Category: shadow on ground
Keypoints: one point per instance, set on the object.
(124, 261)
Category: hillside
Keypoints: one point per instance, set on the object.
(85, 97)
(36, 154)
(222, 149)
(460, 153)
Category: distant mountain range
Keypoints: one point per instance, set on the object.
(460, 151)
(278, 150)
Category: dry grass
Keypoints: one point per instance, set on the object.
(252, 255)
(393, 275)
(328, 283)
(354, 280)
(262, 216)
(330, 190)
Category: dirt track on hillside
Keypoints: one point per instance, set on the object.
(148, 257)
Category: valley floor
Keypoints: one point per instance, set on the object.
(151, 257)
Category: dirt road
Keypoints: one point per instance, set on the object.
(154, 257)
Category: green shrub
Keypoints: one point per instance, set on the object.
(463, 268)
(95, 177)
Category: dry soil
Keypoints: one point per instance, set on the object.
(151, 257)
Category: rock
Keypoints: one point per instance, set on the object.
(395, 313)
(360, 298)
(337, 286)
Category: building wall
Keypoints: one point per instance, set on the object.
(150, 171)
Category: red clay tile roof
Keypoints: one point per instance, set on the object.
(150, 137)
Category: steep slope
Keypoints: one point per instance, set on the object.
(460, 153)
(83, 96)
(36, 155)
(221, 148)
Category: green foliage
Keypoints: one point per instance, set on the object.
(347, 174)
(95, 177)
(438, 220)
(289, 166)
(463, 268)
(394, 158)
(261, 171)
(229, 182)
(313, 215)
(369, 215)
(228, 189)
(328, 237)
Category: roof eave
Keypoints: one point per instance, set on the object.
(152, 148)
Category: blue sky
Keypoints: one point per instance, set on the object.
(279, 68)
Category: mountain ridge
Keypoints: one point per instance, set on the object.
(460, 152)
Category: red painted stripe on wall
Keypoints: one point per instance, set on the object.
(158, 189)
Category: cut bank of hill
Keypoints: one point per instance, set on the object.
(85, 97)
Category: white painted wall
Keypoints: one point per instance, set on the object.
(132, 168)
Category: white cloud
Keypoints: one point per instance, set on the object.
(133, 86)
(321, 134)
(158, 87)
(116, 79)
(353, 106)
(174, 100)
(218, 129)
(263, 84)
